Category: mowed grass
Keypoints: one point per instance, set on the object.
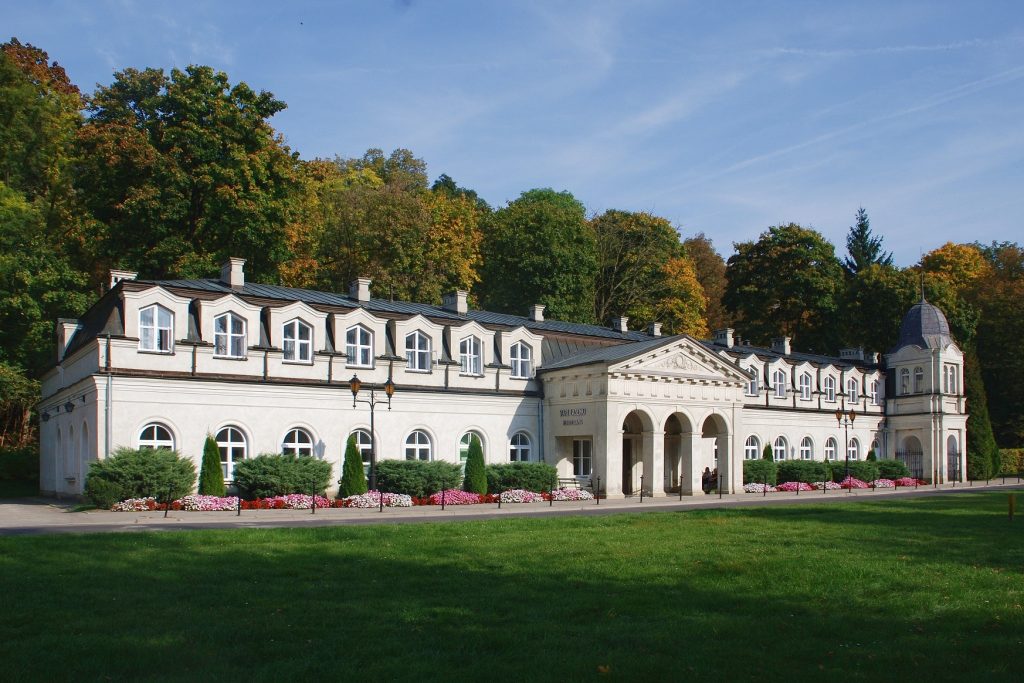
(897, 589)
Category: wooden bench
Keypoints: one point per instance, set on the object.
(586, 484)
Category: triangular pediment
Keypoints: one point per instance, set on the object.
(685, 358)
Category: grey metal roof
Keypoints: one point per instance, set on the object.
(925, 326)
(610, 354)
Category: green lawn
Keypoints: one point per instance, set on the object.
(930, 588)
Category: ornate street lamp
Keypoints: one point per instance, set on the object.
(389, 389)
(845, 420)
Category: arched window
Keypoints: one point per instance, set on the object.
(85, 451)
(806, 448)
(519, 447)
(297, 442)
(155, 435)
(417, 446)
(365, 446)
(852, 389)
(298, 342)
(156, 325)
(229, 336)
(780, 448)
(830, 448)
(874, 447)
(417, 351)
(359, 347)
(853, 450)
(752, 384)
(918, 380)
(520, 357)
(830, 389)
(233, 449)
(470, 357)
(904, 382)
(805, 387)
(752, 448)
(779, 382)
(876, 393)
(949, 379)
(464, 446)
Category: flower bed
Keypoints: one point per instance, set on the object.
(758, 488)
(520, 496)
(792, 486)
(571, 494)
(372, 499)
(906, 481)
(829, 486)
(853, 483)
(135, 505)
(206, 503)
(884, 484)
(454, 497)
(292, 501)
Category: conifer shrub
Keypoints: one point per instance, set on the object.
(130, 473)
(891, 469)
(353, 477)
(211, 476)
(806, 471)
(760, 471)
(530, 476)
(871, 456)
(418, 478)
(767, 453)
(475, 480)
(274, 474)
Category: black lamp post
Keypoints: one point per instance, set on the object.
(389, 389)
(845, 420)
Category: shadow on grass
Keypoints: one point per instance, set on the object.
(657, 595)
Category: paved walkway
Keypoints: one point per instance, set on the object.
(24, 516)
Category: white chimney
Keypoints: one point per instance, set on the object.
(118, 275)
(66, 329)
(781, 345)
(359, 289)
(620, 324)
(537, 313)
(456, 301)
(232, 273)
(654, 329)
(852, 354)
(724, 338)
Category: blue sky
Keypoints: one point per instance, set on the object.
(723, 117)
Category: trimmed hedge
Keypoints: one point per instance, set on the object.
(274, 474)
(1011, 460)
(859, 469)
(130, 473)
(757, 471)
(806, 471)
(891, 469)
(418, 478)
(532, 476)
(19, 464)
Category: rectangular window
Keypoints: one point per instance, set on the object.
(229, 336)
(417, 352)
(470, 357)
(155, 324)
(359, 347)
(581, 460)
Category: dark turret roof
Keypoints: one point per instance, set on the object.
(924, 326)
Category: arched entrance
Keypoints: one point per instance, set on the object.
(632, 450)
(953, 460)
(911, 454)
(714, 449)
(678, 454)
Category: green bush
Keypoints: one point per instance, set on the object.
(1011, 460)
(891, 469)
(418, 478)
(871, 456)
(130, 473)
(859, 469)
(211, 476)
(760, 471)
(807, 471)
(532, 476)
(274, 474)
(475, 480)
(979, 466)
(767, 453)
(353, 477)
(19, 464)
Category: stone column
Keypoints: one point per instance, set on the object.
(654, 463)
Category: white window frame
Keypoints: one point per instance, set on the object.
(295, 348)
(364, 444)
(582, 457)
(780, 448)
(520, 358)
(918, 380)
(752, 384)
(294, 444)
(806, 448)
(852, 387)
(853, 449)
(225, 341)
(154, 440)
(471, 358)
(904, 382)
(520, 447)
(418, 352)
(358, 347)
(830, 389)
(805, 386)
(230, 448)
(831, 447)
(779, 383)
(419, 444)
(876, 397)
(464, 442)
(752, 448)
(156, 335)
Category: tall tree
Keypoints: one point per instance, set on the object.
(709, 267)
(982, 452)
(540, 250)
(180, 172)
(864, 248)
(445, 184)
(874, 303)
(788, 282)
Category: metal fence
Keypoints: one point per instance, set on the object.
(913, 461)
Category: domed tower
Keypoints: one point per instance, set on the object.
(926, 416)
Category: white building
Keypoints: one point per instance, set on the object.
(267, 369)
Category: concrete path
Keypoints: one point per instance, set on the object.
(26, 516)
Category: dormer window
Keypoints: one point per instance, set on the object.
(752, 384)
(417, 351)
(298, 342)
(851, 390)
(904, 382)
(359, 347)
(805, 387)
(470, 357)
(876, 392)
(779, 380)
(156, 324)
(520, 357)
(229, 336)
(830, 389)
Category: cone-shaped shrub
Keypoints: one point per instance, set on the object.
(767, 453)
(353, 478)
(211, 477)
(476, 474)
